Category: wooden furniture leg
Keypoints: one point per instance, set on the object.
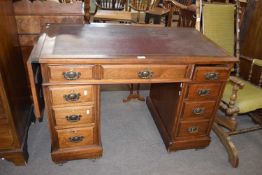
(231, 109)
(226, 122)
(133, 95)
(228, 144)
(256, 116)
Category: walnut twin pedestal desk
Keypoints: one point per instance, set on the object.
(187, 73)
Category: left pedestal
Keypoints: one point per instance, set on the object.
(73, 114)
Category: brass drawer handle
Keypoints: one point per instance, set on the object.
(203, 92)
(198, 111)
(212, 76)
(73, 118)
(72, 97)
(71, 75)
(146, 74)
(76, 139)
(193, 129)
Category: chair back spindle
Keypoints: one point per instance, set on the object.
(111, 4)
(141, 5)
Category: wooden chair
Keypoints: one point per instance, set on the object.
(142, 6)
(175, 7)
(187, 18)
(112, 10)
(110, 5)
(157, 10)
(240, 96)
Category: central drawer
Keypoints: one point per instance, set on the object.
(71, 116)
(75, 137)
(68, 95)
(146, 72)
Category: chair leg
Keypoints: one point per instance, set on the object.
(231, 112)
(226, 122)
(228, 144)
(138, 17)
(133, 95)
(96, 10)
(256, 116)
(139, 97)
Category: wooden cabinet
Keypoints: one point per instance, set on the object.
(15, 104)
(185, 89)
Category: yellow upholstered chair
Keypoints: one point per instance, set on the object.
(240, 96)
(247, 98)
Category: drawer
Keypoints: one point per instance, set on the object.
(6, 138)
(211, 73)
(197, 128)
(75, 137)
(145, 72)
(70, 116)
(198, 110)
(68, 95)
(69, 73)
(203, 91)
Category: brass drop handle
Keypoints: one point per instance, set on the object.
(73, 118)
(71, 75)
(145, 74)
(72, 97)
(203, 92)
(211, 76)
(193, 129)
(76, 139)
(198, 111)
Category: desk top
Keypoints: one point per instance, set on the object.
(106, 41)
